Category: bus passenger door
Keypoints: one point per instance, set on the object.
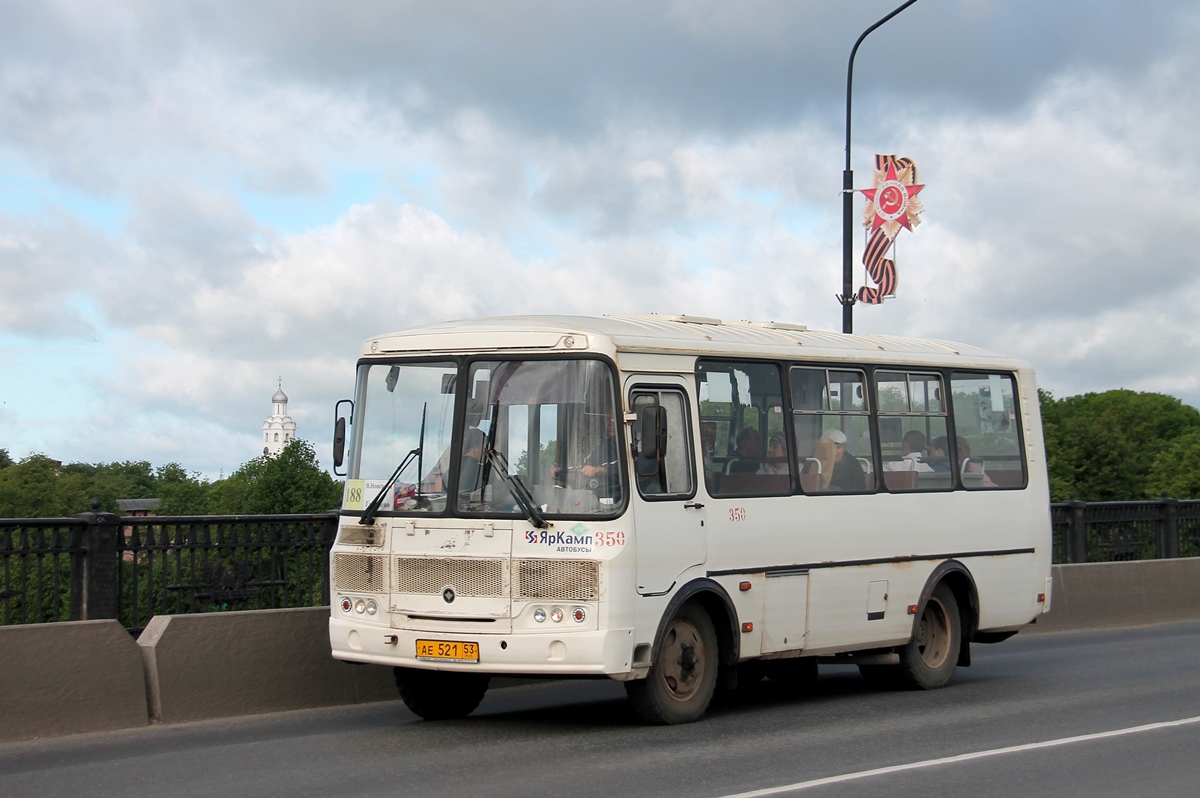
(669, 523)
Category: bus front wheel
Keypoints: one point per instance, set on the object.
(441, 695)
(682, 679)
(929, 659)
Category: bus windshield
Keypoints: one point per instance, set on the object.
(533, 432)
(402, 408)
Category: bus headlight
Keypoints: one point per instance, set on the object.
(539, 615)
(347, 604)
(579, 614)
(556, 614)
(360, 606)
(372, 607)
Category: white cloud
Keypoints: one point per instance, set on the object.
(611, 158)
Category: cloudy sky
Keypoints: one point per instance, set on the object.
(198, 198)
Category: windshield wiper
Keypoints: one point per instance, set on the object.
(517, 486)
(368, 516)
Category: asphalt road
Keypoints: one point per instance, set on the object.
(1032, 693)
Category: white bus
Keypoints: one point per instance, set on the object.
(680, 503)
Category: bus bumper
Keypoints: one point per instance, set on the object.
(601, 653)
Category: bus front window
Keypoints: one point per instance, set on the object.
(553, 424)
(405, 407)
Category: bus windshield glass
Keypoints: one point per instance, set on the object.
(535, 434)
(404, 408)
(553, 428)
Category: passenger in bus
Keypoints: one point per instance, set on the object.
(847, 473)
(913, 446)
(776, 462)
(939, 455)
(748, 454)
(825, 454)
(969, 466)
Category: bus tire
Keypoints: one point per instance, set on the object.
(440, 695)
(929, 659)
(683, 677)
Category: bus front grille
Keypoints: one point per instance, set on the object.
(468, 577)
(556, 580)
(359, 573)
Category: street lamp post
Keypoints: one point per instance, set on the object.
(847, 298)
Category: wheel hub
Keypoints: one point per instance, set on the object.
(933, 634)
(683, 660)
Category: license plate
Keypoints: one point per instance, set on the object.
(447, 650)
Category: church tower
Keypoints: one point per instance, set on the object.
(279, 429)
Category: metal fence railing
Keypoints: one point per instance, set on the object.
(1162, 528)
(100, 565)
(39, 559)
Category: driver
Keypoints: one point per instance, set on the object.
(600, 469)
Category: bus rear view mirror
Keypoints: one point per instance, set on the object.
(339, 435)
(652, 426)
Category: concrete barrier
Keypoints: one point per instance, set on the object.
(65, 678)
(1113, 594)
(217, 665)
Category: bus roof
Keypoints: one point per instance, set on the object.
(674, 335)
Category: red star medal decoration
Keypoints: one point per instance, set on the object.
(893, 202)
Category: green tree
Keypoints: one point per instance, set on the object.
(1101, 446)
(231, 496)
(37, 487)
(5, 460)
(1176, 469)
(290, 482)
(109, 482)
(178, 492)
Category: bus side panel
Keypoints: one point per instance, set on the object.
(849, 542)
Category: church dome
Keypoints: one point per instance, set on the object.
(279, 396)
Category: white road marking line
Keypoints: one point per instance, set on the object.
(950, 760)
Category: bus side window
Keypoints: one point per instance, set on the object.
(917, 451)
(673, 477)
(833, 431)
(989, 453)
(741, 403)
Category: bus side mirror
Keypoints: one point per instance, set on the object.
(339, 435)
(652, 424)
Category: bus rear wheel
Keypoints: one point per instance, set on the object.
(441, 695)
(682, 679)
(929, 659)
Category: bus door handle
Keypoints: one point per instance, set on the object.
(693, 506)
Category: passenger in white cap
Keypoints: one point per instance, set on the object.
(835, 435)
(847, 473)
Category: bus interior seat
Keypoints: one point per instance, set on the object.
(811, 482)
(900, 480)
(755, 484)
(933, 480)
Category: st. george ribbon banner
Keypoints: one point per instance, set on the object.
(891, 204)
